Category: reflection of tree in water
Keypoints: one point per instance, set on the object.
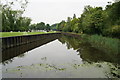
(91, 54)
(87, 52)
(70, 42)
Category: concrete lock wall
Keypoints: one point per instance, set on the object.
(8, 42)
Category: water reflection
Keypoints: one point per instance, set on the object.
(92, 55)
(67, 57)
(10, 53)
(87, 52)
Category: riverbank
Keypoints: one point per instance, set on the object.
(10, 34)
(13, 41)
(106, 44)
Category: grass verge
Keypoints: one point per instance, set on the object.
(9, 34)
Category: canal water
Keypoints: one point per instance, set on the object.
(60, 57)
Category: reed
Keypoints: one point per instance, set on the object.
(107, 44)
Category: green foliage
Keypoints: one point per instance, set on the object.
(12, 20)
(113, 12)
(101, 48)
(95, 21)
(54, 26)
(47, 27)
(68, 25)
(74, 16)
(113, 31)
(113, 20)
(109, 45)
(61, 26)
(40, 26)
(75, 25)
(92, 21)
(0, 17)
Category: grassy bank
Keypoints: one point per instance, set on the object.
(106, 44)
(8, 34)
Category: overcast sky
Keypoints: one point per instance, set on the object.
(54, 11)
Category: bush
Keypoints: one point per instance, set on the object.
(114, 31)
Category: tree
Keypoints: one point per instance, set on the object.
(92, 20)
(67, 27)
(40, 26)
(74, 16)
(95, 21)
(61, 25)
(12, 20)
(74, 25)
(0, 17)
(112, 21)
(54, 27)
(47, 27)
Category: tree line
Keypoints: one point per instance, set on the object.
(40, 26)
(12, 20)
(95, 20)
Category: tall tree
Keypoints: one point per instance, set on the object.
(12, 20)
(74, 16)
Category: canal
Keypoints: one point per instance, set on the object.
(61, 57)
